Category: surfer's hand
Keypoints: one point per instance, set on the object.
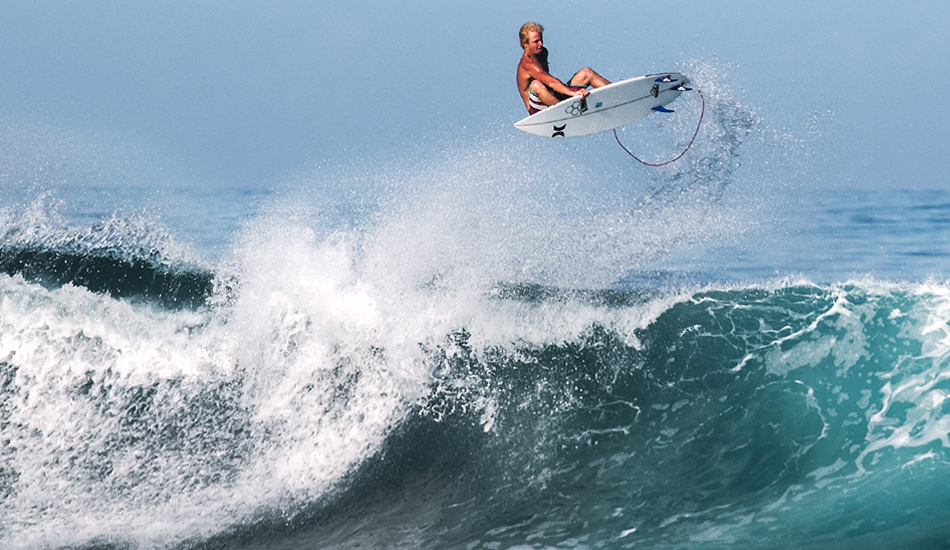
(583, 92)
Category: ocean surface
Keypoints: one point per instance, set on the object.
(498, 342)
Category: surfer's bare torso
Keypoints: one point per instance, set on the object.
(536, 86)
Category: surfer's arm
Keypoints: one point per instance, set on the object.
(553, 83)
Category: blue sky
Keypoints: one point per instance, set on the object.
(249, 92)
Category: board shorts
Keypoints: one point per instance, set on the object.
(536, 105)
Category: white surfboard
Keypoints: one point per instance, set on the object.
(606, 108)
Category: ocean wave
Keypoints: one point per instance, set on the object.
(124, 257)
(702, 416)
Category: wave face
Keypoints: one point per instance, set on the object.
(793, 416)
(316, 410)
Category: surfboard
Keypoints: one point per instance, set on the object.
(608, 107)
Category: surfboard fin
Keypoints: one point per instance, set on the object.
(682, 88)
(666, 78)
(662, 109)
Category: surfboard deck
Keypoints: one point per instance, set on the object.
(611, 106)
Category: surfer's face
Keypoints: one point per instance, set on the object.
(534, 44)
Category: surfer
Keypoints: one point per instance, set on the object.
(537, 87)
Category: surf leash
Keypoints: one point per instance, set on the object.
(701, 113)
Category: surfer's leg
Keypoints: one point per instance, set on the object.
(588, 77)
(535, 105)
(543, 93)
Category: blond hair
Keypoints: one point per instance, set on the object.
(530, 26)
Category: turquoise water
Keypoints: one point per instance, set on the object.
(491, 345)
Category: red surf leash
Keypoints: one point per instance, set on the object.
(703, 112)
